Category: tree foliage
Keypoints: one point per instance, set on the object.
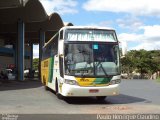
(35, 63)
(142, 61)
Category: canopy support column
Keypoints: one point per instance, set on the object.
(41, 44)
(20, 50)
(31, 55)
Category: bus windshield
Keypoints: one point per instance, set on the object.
(91, 59)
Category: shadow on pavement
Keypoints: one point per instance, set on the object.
(120, 99)
(14, 85)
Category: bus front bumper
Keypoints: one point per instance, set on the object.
(79, 91)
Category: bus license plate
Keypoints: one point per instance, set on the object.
(93, 90)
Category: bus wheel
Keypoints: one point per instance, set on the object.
(59, 96)
(101, 97)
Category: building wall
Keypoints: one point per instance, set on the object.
(1, 42)
(27, 61)
(27, 64)
(27, 48)
(7, 59)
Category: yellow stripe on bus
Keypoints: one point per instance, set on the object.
(85, 81)
(45, 70)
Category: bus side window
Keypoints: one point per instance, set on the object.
(43, 54)
(49, 51)
(61, 66)
(61, 35)
(54, 49)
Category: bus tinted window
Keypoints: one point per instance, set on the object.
(51, 49)
(61, 34)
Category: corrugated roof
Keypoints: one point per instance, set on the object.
(34, 16)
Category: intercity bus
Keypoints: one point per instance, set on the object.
(82, 62)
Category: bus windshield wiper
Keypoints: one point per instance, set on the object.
(100, 63)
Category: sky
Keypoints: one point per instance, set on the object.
(137, 22)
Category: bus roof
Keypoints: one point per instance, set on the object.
(87, 27)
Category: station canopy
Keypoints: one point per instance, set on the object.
(34, 16)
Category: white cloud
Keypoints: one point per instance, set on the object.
(152, 31)
(149, 39)
(147, 46)
(135, 7)
(60, 6)
(130, 22)
(130, 37)
(106, 23)
(101, 24)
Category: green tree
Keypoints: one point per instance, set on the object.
(142, 61)
(155, 61)
(35, 63)
(127, 64)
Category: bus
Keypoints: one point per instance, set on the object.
(82, 62)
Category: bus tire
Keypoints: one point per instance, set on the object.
(101, 97)
(59, 96)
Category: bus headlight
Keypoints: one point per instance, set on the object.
(115, 81)
(71, 82)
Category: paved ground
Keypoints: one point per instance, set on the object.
(29, 97)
